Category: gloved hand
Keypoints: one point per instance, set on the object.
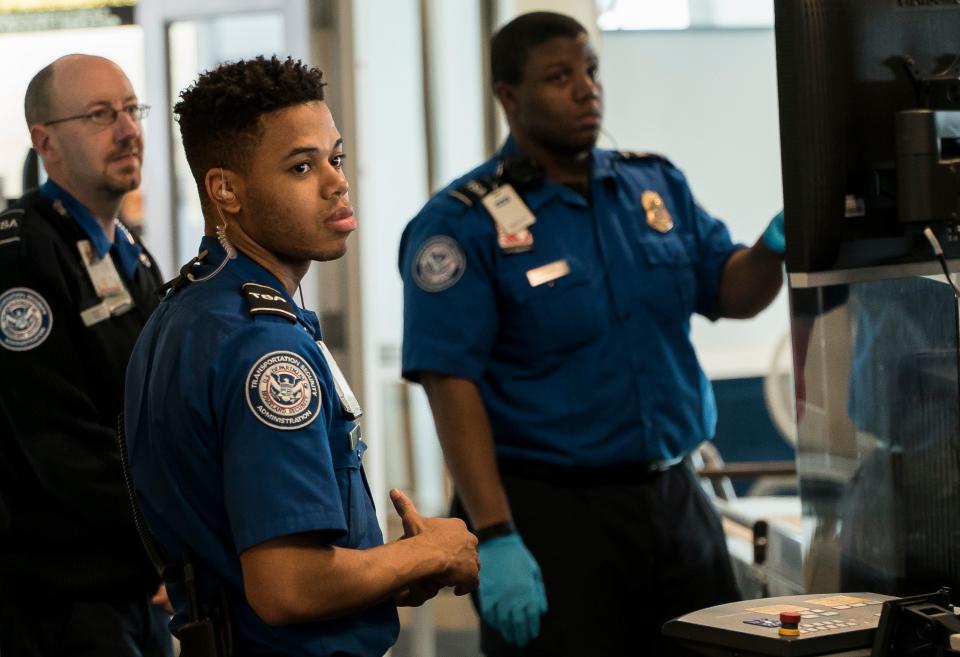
(511, 591)
(773, 236)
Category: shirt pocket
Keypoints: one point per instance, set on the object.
(558, 315)
(669, 268)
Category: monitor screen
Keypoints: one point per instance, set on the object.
(843, 76)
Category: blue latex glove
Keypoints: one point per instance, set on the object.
(511, 592)
(773, 236)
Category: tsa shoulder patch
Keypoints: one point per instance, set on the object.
(282, 391)
(265, 300)
(25, 319)
(472, 191)
(439, 264)
(11, 223)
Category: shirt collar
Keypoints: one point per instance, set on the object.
(124, 246)
(248, 269)
(601, 166)
(601, 161)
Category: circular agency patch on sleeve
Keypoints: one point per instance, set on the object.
(282, 391)
(25, 319)
(439, 264)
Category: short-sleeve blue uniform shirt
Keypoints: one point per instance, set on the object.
(237, 436)
(591, 368)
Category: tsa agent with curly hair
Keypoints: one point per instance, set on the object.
(243, 434)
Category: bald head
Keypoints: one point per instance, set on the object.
(84, 121)
(60, 77)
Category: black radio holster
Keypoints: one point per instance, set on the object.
(208, 632)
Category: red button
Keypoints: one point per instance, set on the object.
(791, 617)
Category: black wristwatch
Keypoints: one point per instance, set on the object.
(504, 528)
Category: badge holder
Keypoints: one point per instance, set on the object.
(512, 218)
(348, 401)
(115, 299)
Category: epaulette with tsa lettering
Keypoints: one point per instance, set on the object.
(11, 223)
(643, 155)
(473, 191)
(265, 300)
(524, 174)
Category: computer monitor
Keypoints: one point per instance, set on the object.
(916, 626)
(846, 68)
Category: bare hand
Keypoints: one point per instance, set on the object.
(413, 522)
(418, 593)
(450, 537)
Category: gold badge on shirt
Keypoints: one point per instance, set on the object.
(658, 217)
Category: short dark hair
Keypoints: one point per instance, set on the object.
(219, 115)
(39, 96)
(510, 45)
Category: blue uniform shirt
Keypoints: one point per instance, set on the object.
(126, 251)
(592, 368)
(237, 436)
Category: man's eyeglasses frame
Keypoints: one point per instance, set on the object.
(106, 115)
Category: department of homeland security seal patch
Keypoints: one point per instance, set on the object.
(25, 319)
(439, 264)
(282, 391)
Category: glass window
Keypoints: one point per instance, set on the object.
(683, 14)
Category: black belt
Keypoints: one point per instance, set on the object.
(620, 473)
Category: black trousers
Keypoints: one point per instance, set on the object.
(83, 628)
(618, 560)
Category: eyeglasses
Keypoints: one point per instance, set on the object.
(107, 115)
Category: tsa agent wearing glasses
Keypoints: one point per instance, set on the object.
(75, 289)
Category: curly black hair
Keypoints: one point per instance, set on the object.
(219, 115)
(511, 44)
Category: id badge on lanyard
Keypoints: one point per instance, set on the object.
(347, 399)
(512, 218)
(114, 297)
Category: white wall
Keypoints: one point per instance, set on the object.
(707, 99)
(456, 90)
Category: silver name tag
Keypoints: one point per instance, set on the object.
(548, 272)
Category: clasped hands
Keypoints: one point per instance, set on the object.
(456, 545)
